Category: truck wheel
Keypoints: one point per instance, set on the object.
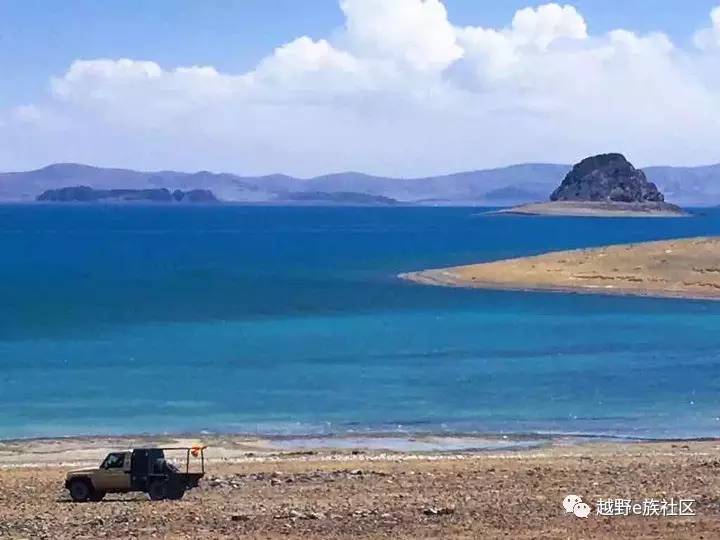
(97, 496)
(157, 491)
(80, 490)
(176, 494)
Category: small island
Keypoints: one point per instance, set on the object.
(85, 194)
(686, 268)
(605, 185)
(338, 198)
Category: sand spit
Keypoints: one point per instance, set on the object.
(686, 268)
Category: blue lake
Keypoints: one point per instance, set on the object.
(291, 321)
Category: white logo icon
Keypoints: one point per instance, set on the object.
(569, 503)
(575, 505)
(582, 510)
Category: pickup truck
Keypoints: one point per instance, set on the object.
(141, 470)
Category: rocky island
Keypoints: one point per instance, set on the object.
(600, 186)
(605, 185)
(338, 198)
(87, 194)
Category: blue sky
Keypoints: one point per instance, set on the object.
(40, 38)
(401, 87)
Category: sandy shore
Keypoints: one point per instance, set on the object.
(686, 268)
(596, 209)
(253, 491)
(89, 451)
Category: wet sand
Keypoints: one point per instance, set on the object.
(254, 491)
(686, 268)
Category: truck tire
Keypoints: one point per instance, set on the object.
(97, 496)
(158, 490)
(80, 490)
(176, 494)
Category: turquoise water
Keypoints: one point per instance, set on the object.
(290, 321)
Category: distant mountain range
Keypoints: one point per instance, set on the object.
(689, 186)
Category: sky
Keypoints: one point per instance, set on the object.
(394, 87)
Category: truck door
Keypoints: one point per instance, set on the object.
(143, 466)
(114, 473)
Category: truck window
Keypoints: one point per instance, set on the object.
(114, 461)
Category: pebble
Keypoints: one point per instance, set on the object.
(444, 511)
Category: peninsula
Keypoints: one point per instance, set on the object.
(685, 268)
(605, 185)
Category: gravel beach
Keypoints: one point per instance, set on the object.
(252, 491)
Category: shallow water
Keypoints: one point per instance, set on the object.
(291, 321)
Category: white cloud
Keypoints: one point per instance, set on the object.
(131, 91)
(308, 59)
(415, 32)
(548, 23)
(496, 52)
(709, 38)
(398, 90)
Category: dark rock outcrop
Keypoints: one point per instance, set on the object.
(194, 196)
(607, 178)
(159, 195)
